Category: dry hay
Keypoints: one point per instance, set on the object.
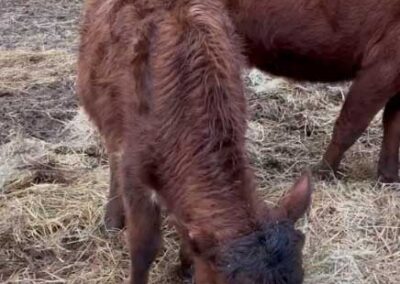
(24, 70)
(54, 177)
(39, 24)
(36, 93)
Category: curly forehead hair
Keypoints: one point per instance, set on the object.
(271, 255)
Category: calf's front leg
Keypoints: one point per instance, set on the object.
(143, 225)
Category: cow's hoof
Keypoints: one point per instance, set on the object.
(114, 219)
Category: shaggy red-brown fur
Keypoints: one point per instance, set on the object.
(332, 40)
(162, 82)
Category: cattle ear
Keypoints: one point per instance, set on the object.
(298, 200)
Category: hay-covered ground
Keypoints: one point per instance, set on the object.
(54, 174)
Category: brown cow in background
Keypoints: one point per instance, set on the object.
(162, 81)
(332, 40)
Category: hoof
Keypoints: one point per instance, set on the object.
(388, 178)
(113, 224)
(114, 219)
(388, 171)
(185, 274)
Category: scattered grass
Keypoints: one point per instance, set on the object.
(23, 70)
(52, 191)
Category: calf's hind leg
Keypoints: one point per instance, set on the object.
(369, 93)
(388, 166)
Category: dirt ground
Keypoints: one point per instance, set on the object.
(54, 174)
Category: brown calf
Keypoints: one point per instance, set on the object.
(332, 40)
(162, 81)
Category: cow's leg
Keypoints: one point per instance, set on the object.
(185, 269)
(114, 216)
(204, 274)
(370, 91)
(388, 167)
(144, 236)
(143, 219)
